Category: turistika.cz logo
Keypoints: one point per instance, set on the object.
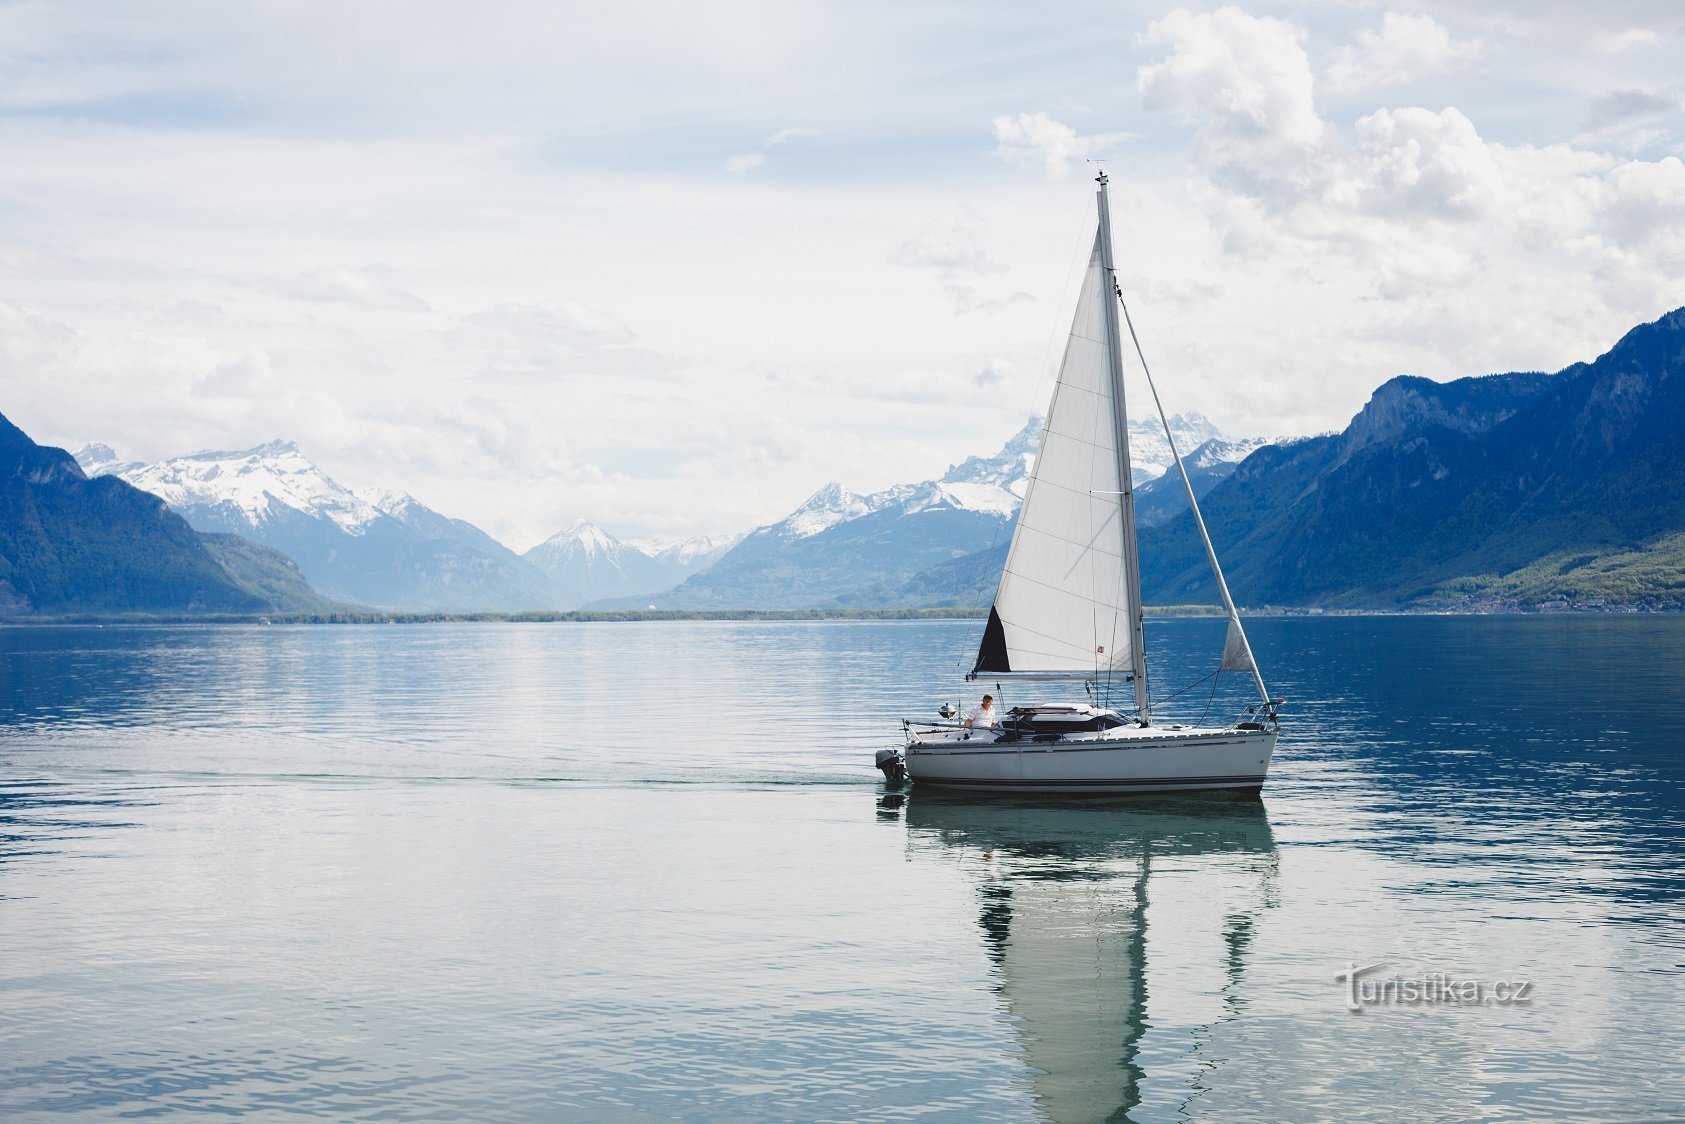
(1430, 989)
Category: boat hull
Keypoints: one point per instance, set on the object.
(1127, 759)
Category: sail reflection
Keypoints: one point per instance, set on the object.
(1063, 907)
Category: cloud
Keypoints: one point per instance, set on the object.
(571, 266)
(952, 250)
(1617, 42)
(1035, 138)
(1406, 49)
(1643, 205)
(1430, 230)
(247, 376)
(784, 136)
(370, 287)
(1618, 107)
(1245, 81)
(746, 162)
(966, 299)
(996, 372)
(525, 343)
(1417, 163)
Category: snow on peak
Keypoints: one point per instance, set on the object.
(990, 499)
(693, 551)
(582, 539)
(1149, 452)
(592, 537)
(276, 448)
(994, 485)
(387, 501)
(685, 553)
(255, 483)
(101, 460)
(830, 497)
(827, 507)
(1220, 450)
(1006, 471)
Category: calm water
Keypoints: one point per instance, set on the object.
(645, 871)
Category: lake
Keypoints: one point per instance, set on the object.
(639, 871)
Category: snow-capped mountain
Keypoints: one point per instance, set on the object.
(689, 555)
(587, 558)
(370, 547)
(823, 510)
(1149, 452)
(839, 540)
(242, 490)
(994, 485)
(843, 548)
(991, 486)
(1162, 499)
(102, 460)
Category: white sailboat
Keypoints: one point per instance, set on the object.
(1069, 608)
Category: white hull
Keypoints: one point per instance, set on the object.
(1124, 759)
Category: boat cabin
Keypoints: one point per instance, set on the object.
(1050, 720)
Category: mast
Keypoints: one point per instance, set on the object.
(1126, 482)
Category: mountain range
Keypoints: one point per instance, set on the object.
(909, 544)
(376, 548)
(1510, 490)
(1506, 490)
(71, 544)
(386, 549)
(586, 558)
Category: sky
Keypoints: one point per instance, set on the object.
(673, 267)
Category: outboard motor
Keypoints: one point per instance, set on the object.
(893, 765)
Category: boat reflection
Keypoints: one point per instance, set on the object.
(1063, 904)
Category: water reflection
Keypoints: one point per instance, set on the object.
(1065, 893)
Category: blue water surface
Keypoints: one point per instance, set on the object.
(639, 871)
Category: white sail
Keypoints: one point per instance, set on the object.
(1063, 606)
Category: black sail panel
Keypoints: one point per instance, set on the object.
(991, 654)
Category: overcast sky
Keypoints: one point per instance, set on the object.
(673, 266)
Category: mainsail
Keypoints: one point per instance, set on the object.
(1068, 601)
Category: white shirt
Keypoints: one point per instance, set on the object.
(981, 716)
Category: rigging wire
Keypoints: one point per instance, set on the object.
(1212, 678)
(1216, 677)
(1193, 503)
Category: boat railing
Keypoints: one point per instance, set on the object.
(908, 725)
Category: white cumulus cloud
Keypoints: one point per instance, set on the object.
(1425, 225)
(1246, 83)
(1406, 48)
(1418, 162)
(1036, 138)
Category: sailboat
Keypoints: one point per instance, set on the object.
(1069, 608)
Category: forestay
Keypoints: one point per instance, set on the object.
(1063, 606)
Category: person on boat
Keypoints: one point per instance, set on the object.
(983, 714)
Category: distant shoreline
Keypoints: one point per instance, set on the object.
(584, 616)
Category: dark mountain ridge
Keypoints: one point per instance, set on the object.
(71, 544)
(1437, 491)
